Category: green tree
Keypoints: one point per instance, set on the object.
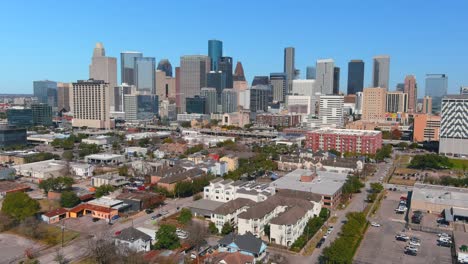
(335, 152)
(227, 228)
(376, 187)
(383, 153)
(185, 216)
(212, 228)
(57, 184)
(88, 149)
(19, 206)
(167, 238)
(403, 145)
(69, 199)
(413, 145)
(67, 155)
(103, 190)
(168, 140)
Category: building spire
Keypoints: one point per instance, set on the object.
(239, 72)
(99, 50)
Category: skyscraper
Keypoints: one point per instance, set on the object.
(374, 104)
(381, 71)
(216, 80)
(355, 76)
(289, 68)
(260, 80)
(91, 104)
(215, 52)
(225, 66)
(165, 85)
(453, 126)
(165, 66)
(304, 87)
(63, 96)
(331, 111)
(211, 99)
(239, 82)
(397, 102)
(436, 87)
(102, 67)
(336, 80)
(411, 89)
(229, 101)
(311, 73)
(127, 66)
(278, 82)
(259, 96)
(41, 114)
(196, 105)
(193, 69)
(119, 96)
(144, 74)
(325, 74)
(427, 105)
(400, 87)
(46, 92)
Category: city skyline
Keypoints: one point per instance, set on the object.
(66, 60)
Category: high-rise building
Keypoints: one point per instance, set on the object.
(211, 96)
(259, 98)
(411, 89)
(102, 67)
(225, 66)
(20, 117)
(196, 105)
(427, 105)
(165, 85)
(178, 93)
(355, 76)
(336, 80)
(165, 66)
(215, 52)
(146, 109)
(381, 71)
(278, 82)
(463, 89)
(239, 83)
(311, 73)
(63, 96)
(304, 87)
(374, 104)
(168, 110)
(331, 111)
(91, 104)
(359, 101)
(436, 87)
(453, 126)
(145, 68)
(426, 127)
(400, 87)
(289, 68)
(193, 69)
(299, 104)
(12, 136)
(127, 66)
(397, 102)
(41, 114)
(260, 80)
(216, 80)
(325, 74)
(229, 101)
(119, 95)
(46, 92)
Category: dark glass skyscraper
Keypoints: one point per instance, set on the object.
(289, 67)
(336, 80)
(46, 92)
(355, 76)
(260, 80)
(127, 66)
(41, 114)
(311, 73)
(20, 117)
(216, 80)
(195, 105)
(165, 66)
(148, 106)
(144, 74)
(225, 65)
(215, 52)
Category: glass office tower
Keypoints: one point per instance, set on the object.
(355, 76)
(145, 68)
(215, 51)
(165, 66)
(148, 106)
(46, 92)
(127, 66)
(436, 87)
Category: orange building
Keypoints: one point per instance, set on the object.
(96, 211)
(426, 127)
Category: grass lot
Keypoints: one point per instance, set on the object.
(403, 161)
(54, 235)
(400, 181)
(48, 205)
(458, 163)
(85, 261)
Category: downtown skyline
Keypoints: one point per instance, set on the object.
(66, 59)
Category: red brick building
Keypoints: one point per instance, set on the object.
(344, 140)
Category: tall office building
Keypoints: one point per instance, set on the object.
(336, 80)
(381, 71)
(63, 96)
(148, 107)
(119, 95)
(211, 96)
(165, 85)
(304, 87)
(331, 111)
(193, 70)
(178, 93)
(229, 101)
(278, 82)
(289, 68)
(400, 87)
(427, 105)
(325, 74)
(259, 98)
(165, 66)
(311, 73)
(239, 82)
(225, 66)
(355, 76)
(41, 114)
(454, 126)
(436, 87)
(411, 89)
(215, 52)
(20, 117)
(46, 92)
(397, 102)
(196, 105)
(91, 104)
(374, 104)
(216, 80)
(260, 80)
(359, 101)
(103, 68)
(145, 68)
(127, 66)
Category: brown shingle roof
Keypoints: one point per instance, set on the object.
(259, 210)
(290, 216)
(59, 211)
(182, 176)
(232, 206)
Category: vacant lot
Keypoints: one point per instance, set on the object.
(13, 246)
(379, 244)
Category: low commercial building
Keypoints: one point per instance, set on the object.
(107, 159)
(192, 116)
(45, 138)
(204, 208)
(11, 136)
(96, 211)
(55, 216)
(194, 137)
(7, 187)
(170, 182)
(16, 157)
(100, 140)
(143, 135)
(134, 151)
(141, 200)
(133, 239)
(42, 169)
(82, 169)
(227, 190)
(109, 179)
(109, 202)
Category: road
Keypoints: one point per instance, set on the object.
(77, 249)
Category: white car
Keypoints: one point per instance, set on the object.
(375, 224)
(444, 239)
(415, 243)
(412, 248)
(443, 235)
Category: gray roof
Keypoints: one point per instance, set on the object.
(441, 195)
(182, 176)
(247, 242)
(232, 206)
(300, 194)
(131, 234)
(290, 216)
(206, 204)
(259, 210)
(340, 163)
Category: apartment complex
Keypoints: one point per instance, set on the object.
(344, 140)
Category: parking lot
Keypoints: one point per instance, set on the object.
(85, 225)
(380, 246)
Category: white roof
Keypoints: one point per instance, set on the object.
(442, 195)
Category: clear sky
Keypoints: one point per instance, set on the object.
(55, 39)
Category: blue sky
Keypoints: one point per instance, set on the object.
(55, 39)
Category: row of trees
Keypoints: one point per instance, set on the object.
(448, 181)
(57, 184)
(40, 157)
(430, 161)
(227, 229)
(376, 188)
(313, 225)
(68, 143)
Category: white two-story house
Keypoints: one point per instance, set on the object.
(227, 190)
(228, 212)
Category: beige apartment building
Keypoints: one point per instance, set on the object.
(374, 104)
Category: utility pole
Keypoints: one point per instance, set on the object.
(63, 229)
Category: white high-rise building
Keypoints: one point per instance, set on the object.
(325, 74)
(454, 126)
(103, 68)
(299, 104)
(331, 111)
(304, 87)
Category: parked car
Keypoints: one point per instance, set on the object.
(320, 243)
(375, 224)
(402, 237)
(95, 219)
(443, 235)
(411, 252)
(412, 248)
(154, 217)
(415, 243)
(444, 244)
(117, 233)
(164, 212)
(149, 211)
